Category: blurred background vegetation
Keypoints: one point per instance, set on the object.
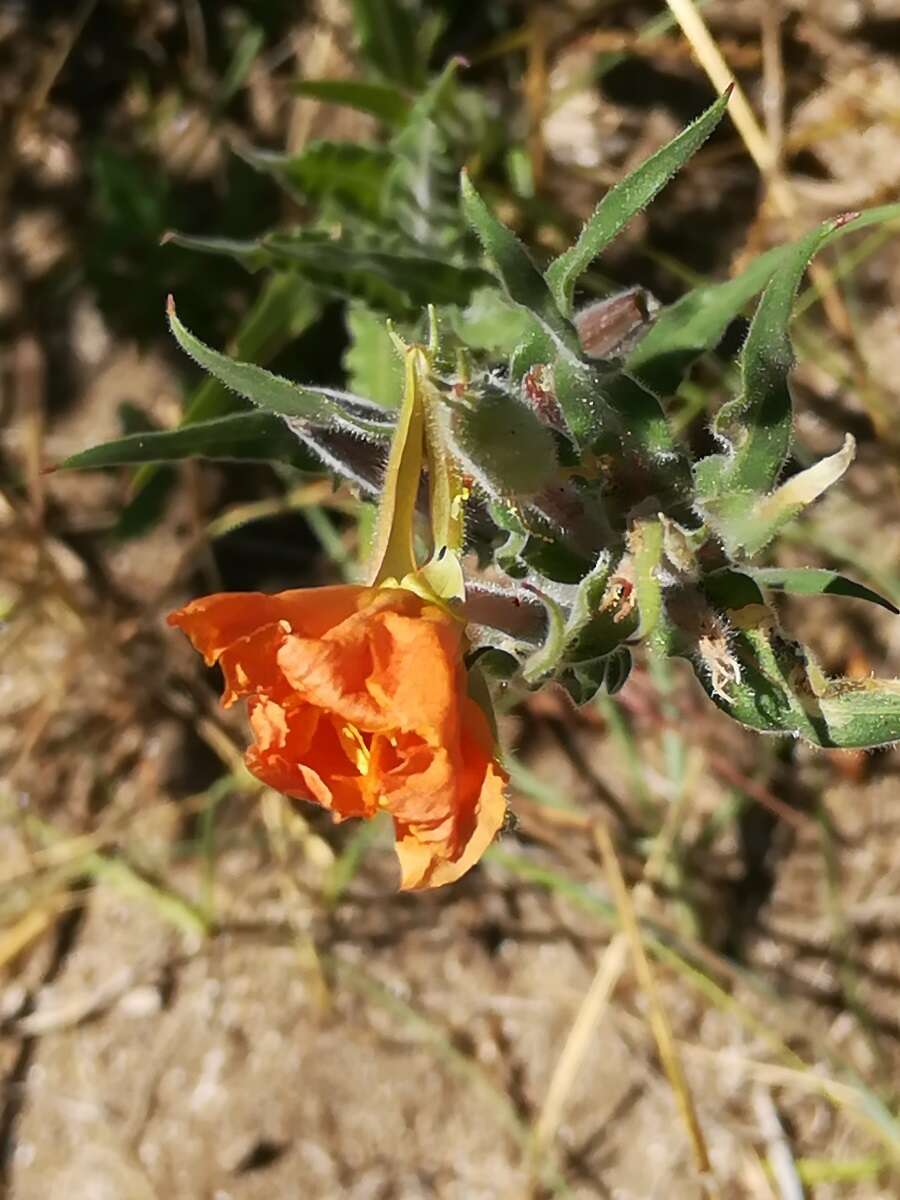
(208, 993)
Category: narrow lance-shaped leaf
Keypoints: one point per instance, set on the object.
(353, 174)
(626, 199)
(285, 307)
(276, 395)
(696, 322)
(253, 436)
(521, 279)
(397, 284)
(381, 100)
(815, 581)
(764, 412)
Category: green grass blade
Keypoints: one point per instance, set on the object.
(387, 40)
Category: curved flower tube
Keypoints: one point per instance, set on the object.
(358, 701)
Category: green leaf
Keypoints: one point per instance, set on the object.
(373, 366)
(815, 581)
(490, 322)
(781, 690)
(764, 414)
(352, 174)
(696, 322)
(732, 589)
(747, 522)
(397, 284)
(387, 40)
(622, 202)
(381, 100)
(646, 546)
(249, 436)
(280, 396)
(522, 281)
(544, 660)
(285, 307)
(593, 632)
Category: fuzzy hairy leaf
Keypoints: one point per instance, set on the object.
(280, 396)
(248, 436)
(781, 690)
(764, 415)
(746, 522)
(397, 284)
(522, 281)
(696, 322)
(624, 201)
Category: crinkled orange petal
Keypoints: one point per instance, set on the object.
(425, 864)
(357, 700)
(297, 751)
(214, 622)
(434, 855)
(414, 671)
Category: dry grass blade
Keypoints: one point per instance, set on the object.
(758, 145)
(29, 928)
(609, 972)
(659, 1023)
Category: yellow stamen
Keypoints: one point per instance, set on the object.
(354, 747)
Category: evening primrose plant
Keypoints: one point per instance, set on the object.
(540, 519)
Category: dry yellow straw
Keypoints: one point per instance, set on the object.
(665, 1042)
(758, 145)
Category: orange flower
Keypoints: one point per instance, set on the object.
(358, 701)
